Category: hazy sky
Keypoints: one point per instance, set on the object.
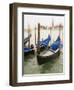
(33, 20)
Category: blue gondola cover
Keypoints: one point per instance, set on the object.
(45, 42)
(56, 44)
(27, 49)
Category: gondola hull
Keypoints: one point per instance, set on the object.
(29, 53)
(44, 59)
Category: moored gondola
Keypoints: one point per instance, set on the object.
(28, 51)
(43, 44)
(50, 53)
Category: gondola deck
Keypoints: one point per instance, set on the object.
(46, 57)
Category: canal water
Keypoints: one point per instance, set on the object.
(53, 66)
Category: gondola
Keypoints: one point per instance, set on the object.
(43, 44)
(50, 53)
(28, 50)
(27, 39)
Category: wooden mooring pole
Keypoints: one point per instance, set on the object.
(28, 35)
(35, 35)
(38, 48)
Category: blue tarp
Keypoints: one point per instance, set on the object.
(56, 44)
(41, 43)
(27, 49)
(45, 42)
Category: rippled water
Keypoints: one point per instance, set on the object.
(53, 66)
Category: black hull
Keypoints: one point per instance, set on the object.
(42, 59)
(42, 48)
(29, 53)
